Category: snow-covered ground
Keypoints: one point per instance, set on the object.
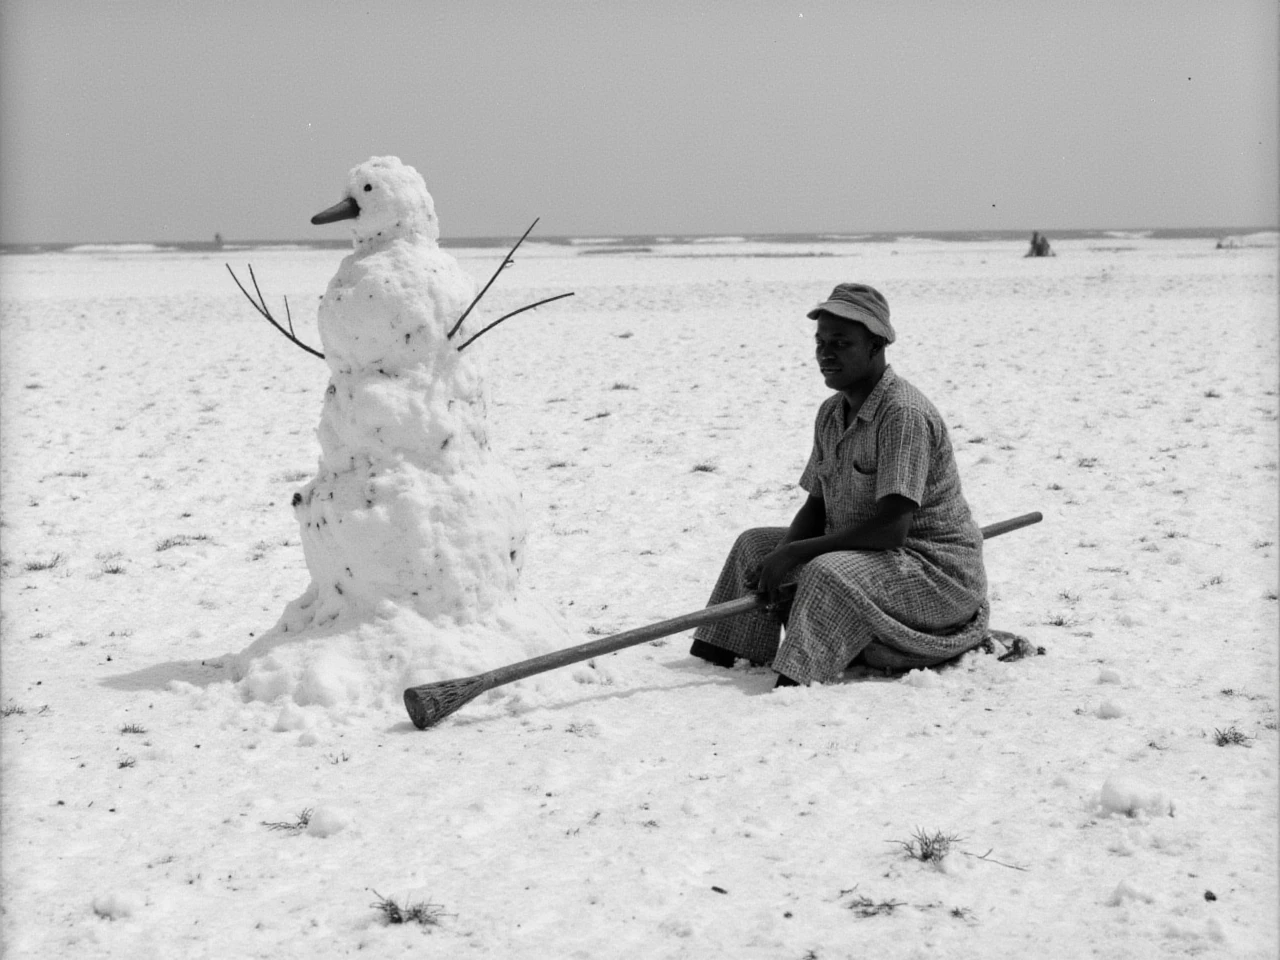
(154, 430)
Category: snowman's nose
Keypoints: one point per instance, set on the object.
(345, 209)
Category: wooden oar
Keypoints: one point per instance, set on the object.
(432, 702)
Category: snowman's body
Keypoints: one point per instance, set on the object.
(410, 521)
(408, 505)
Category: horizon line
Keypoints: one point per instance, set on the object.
(587, 235)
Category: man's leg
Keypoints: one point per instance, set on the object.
(824, 631)
(750, 635)
(841, 608)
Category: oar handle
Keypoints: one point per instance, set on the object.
(1013, 523)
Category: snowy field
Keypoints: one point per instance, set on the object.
(1116, 797)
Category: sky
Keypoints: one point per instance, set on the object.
(151, 121)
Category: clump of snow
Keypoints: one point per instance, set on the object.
(1211, 930)
(413, 531)
(594, 672)
(1133, 797)
(117, 904)
(1108, 675)
(1127, 891)
(290, 717)
(925, 679)
(326, 821)
(1109, 710)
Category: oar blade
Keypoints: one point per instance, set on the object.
(430, 703)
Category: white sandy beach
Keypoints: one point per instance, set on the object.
(647, 805)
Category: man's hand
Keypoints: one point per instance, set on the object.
(773, 571)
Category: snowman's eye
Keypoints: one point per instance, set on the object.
(368, 187)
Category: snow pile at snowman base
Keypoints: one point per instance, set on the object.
(353, 666)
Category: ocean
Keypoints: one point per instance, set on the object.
(643, 243)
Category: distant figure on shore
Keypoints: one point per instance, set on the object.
(1039, 246)
(217, 240)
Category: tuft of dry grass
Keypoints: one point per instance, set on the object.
(55, 561)
(297, 826)
(928, 847)
(866, 907)
(1231, 737)
(181, 540)
(423, 913)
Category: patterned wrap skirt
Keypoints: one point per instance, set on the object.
(895, 607)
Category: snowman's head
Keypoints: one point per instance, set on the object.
(385, 199)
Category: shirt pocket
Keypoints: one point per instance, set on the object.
(860, 488)
(850, 496)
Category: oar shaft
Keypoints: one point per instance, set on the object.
(619, 641)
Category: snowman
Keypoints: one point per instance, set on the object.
(413, 531)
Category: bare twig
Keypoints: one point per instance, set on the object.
(261, 306)
(506, 262)
(511, 314)
(989, 859)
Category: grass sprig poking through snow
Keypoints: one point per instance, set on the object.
(424, 914)
(297, 826)
(1230, 737)
(928, 847)
(35, 565)
(866, 907)
(934, 847)
(181, 540)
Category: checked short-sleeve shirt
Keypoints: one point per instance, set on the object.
(897, 443)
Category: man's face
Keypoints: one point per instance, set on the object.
(845, 351)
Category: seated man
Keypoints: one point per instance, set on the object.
(885, 555)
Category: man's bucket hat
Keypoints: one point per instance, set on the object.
(860, 303)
